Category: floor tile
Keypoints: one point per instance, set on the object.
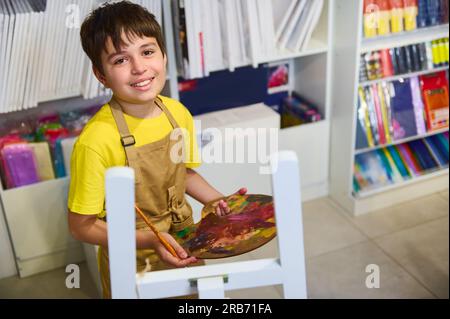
(445, 194)
(51, 284)
(326, 229)
(408, 242)
(268, 292)
(399, 217)
(342, 274)
(423, 251)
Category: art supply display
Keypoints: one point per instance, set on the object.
(435, 97)
(50, 138)
(404, 108)
(19, 163)
(296, 110)
(384, 17)
(400, 162)
(403, 60)
(43, 160)
(249, 225)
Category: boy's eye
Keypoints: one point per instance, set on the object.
(119, 61)
(148, 52)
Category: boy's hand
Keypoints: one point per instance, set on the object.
(183, 259)
(222, 208)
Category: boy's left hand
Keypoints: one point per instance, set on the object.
(222, 208)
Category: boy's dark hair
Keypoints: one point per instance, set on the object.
(110, 20)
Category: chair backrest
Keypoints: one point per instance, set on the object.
(209, 281)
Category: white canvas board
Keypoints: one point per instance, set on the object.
(293, 21)
(282, 11)
(312, 26)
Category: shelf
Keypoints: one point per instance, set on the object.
(403, 76)
(382, 189)
(50, 98)
(404, 38)
(303, 125)
(315, 47)
(45, 184)
(412, 138)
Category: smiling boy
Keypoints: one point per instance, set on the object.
(126, 47)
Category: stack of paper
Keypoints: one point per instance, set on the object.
(212, 35)
(90, 87)
(43, 160)
(67, 147)
(19, 21)
(64, 69)
(295, 25)
(41, 57)
(19, 165)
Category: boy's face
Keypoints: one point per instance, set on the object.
(136, 74)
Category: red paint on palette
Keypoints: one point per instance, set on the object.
(250, 224)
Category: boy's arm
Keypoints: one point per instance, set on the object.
(90, 229)
(198, 188)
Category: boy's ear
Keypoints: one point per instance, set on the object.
(99, 75)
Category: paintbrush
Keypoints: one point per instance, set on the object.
(160, 237)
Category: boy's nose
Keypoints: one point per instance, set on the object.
(138, 67)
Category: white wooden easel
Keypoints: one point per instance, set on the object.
(210, 281)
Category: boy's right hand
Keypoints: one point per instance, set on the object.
(183, 259)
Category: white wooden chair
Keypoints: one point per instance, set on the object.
(209, 281)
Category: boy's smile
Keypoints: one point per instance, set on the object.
(142, 84)
(136, 74)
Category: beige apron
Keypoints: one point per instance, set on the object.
(160, 186)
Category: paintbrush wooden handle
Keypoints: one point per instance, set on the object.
(160, 237)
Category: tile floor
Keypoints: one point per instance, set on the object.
(409, 243)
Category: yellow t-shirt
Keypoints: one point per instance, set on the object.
(98, 147)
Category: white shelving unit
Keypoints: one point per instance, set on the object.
(34, 234)
(312, 79)
(349, 45)
(38, 213)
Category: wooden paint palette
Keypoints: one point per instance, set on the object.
(250, 224)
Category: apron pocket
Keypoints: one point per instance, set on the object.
(180, 209)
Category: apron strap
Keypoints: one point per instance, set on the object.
(126, 138)
(161, 105)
